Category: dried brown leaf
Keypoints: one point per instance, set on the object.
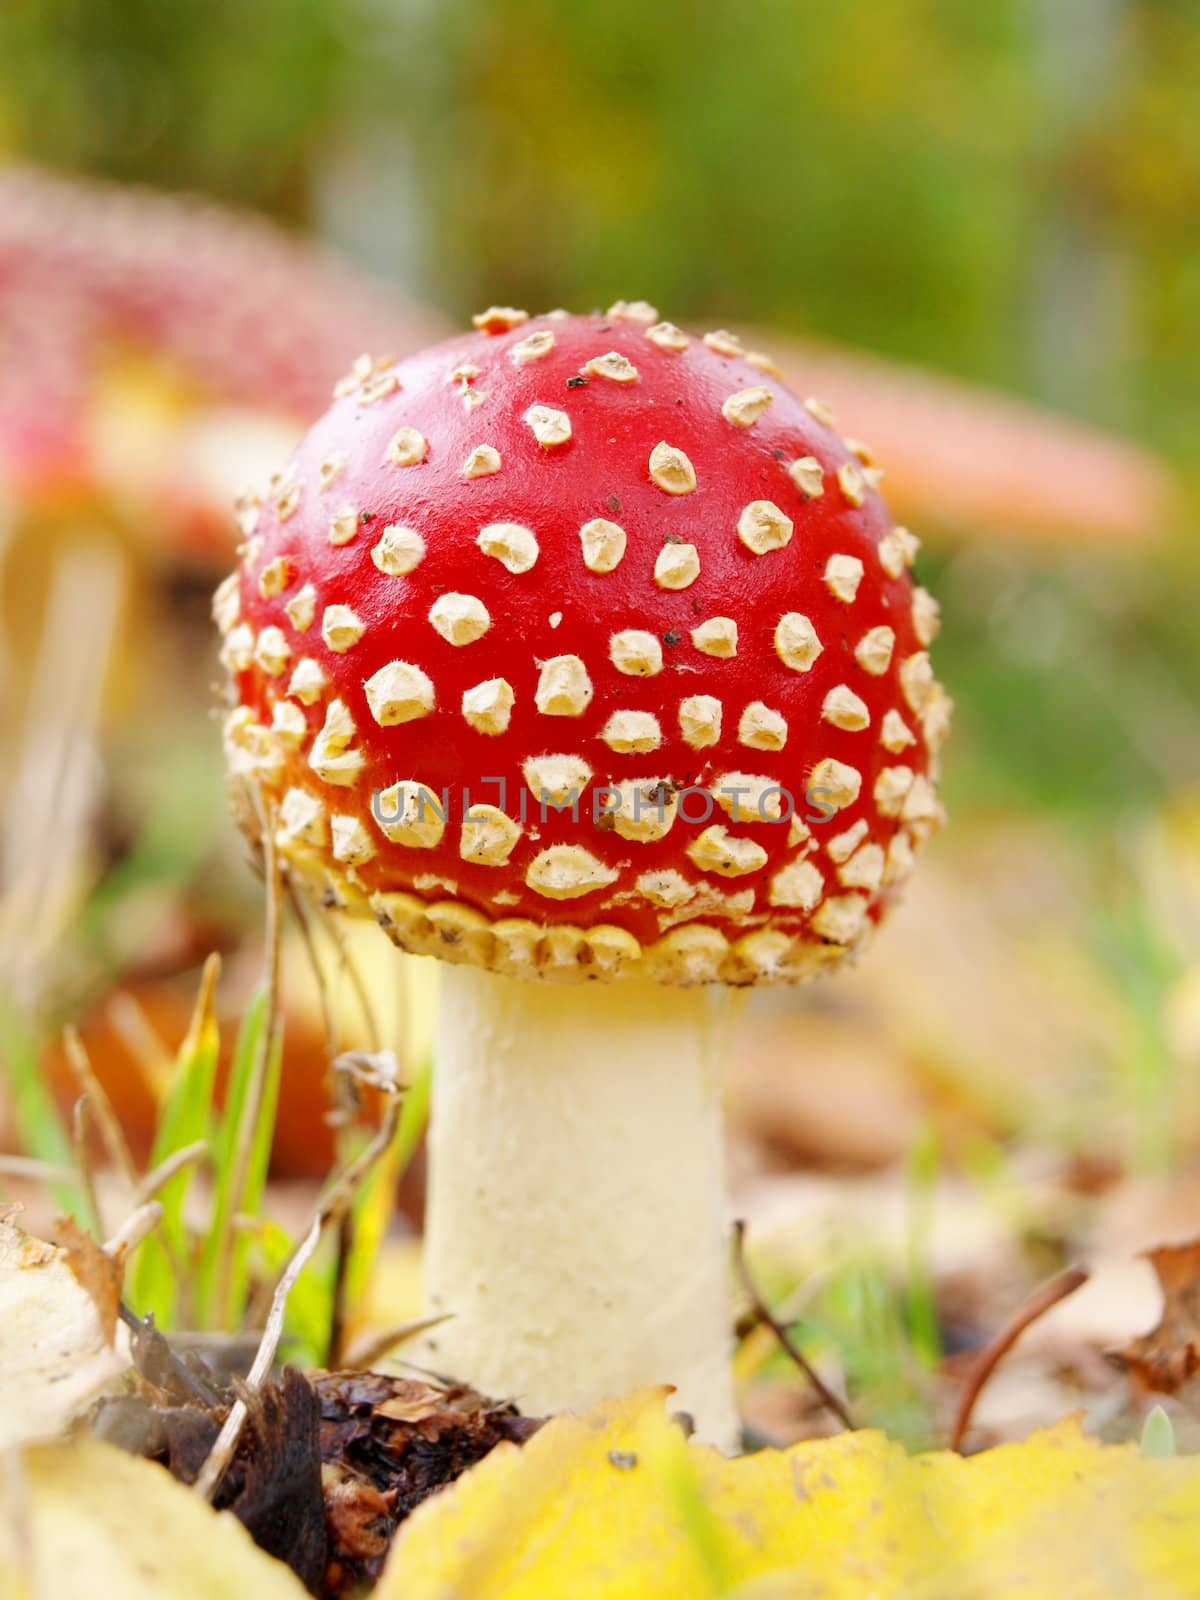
(1168, 1357)
(93, 1270)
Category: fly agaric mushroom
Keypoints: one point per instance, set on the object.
(580, 649)
(151, 344)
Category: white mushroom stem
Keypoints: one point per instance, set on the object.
(576, 1227)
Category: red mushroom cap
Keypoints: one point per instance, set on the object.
(222, 309)
(579, 646)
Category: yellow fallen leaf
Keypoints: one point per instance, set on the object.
(616, 1505)
(54, 1353)
(84, 1521)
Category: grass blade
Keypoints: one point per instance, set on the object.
(184, 1120)
(43, 1132)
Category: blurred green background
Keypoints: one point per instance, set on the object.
(1006, 191)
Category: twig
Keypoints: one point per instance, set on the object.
(222, 1452)
(100, 1105)
(764, 1314)
(989, 1359)
(373, 1347)
(345, 1186)
(252, 1107)
(36, 1171)
(154, 1182)
(335, 1348)
(80, 1119)
(137, 1225)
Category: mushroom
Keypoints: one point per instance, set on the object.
(585, 657)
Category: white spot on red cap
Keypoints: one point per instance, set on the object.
(900, 859)
(564, 688)
(873, 652)
(399, 692)
(288, 724)
(302, 817)
(716, 637)
(488, 836)
(671, 469)
(499, 319)
(227, 602)
(272, 652)
(400, 550)
(853, 485)
(567, 871)
(897, 550)
(343, 525)
(763, 527)
(238, 650)
(895, 734)
(613, 366)
(532, 347)
(748, 796)
(717, 850)
(843, 574)
(275, 577)
(666, 888)
(796, 887)
(333, 758)
(633, 311)
(745, 407)
(809, 477)
(700, 720)
(891, 788)
(845, 710)
(667, 336)
(512, 545)
(916, 680)
(926, 615)
(556, 779)
(841, 919)
(287, 502)
(603, 544)
(407, 447)
(308, 682)
(302, 608)
(352, 844)
(864, 870)
(724, 343)
(549, 426)
(835, 784)
(762, 728)
(460, 618)
(632, 732)
(483, 461)
(636, 653)
(677, 566)
(796, 641)
(843, 845)
(341, 628)
(644, 809)
(331, 470)
(410, 814)
(821, 410)
(488, 706)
